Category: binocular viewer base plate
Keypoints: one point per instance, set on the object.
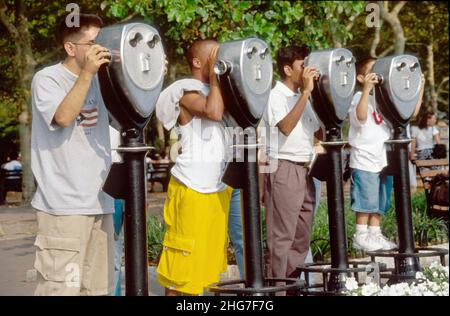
(400, 258)
(325, 269)
(237, 287)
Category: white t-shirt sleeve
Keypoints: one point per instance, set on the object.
(352, 113)
(435, 131)
(276, 109)
(47, 95)
(414, 131)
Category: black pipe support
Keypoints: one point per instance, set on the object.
(126, 180)
(251, 219)
(336, 219)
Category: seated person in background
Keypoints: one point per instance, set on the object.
(425, 136)
(13, 163)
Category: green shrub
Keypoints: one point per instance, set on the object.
(155, 235)
(426, 230)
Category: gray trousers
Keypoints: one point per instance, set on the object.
(289, 203)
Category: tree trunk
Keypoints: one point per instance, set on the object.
(394, 22)
(27, 69)
(160, 132)
(172, 74)
(25, 62)
(430, 67)
(375, 41)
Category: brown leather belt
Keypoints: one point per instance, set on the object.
(298, 163)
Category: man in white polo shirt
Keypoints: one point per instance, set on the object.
(289, 190)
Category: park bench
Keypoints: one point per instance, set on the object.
(10, 180)
(160, 172)
(428, 170)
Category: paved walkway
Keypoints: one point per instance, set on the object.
(17, 233)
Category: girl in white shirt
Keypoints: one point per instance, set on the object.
(370, 189)
(425, 136)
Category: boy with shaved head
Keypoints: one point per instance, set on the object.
(196, 208)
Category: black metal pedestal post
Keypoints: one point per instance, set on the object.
(406, 260)
(251, 219)
(244, 175)
(336, 220)
(135, 229)
(404, 266)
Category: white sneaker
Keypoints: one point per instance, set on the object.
(362, 241)
(383, 241)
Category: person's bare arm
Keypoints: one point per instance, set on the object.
(437, 139)
(419, 102)
(196, 104)
(288, 123)
(412, 153)
(363, 104)
(71, 105)
(319, 134)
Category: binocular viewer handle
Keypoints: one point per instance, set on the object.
(342, 58)
(253, 50)
(136, 37)
(402, 65)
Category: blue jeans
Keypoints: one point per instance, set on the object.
(424, 154)
(370, 191)
(118, 245)
(235, 229)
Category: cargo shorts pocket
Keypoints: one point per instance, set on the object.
(57, 258)
(177, 261)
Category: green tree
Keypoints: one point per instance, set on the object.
(279, 23)
(424, 26)
(27, 42)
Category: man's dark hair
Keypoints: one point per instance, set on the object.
(287, 55)
(86, 20)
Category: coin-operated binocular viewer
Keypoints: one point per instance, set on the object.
(130, 85)
(244, 69)
(331, 100)
(397, 94)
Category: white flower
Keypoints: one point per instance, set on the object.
(433, 281)
(351, 284)
(370, 289)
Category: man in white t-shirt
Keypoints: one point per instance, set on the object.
(70, 159)
(289, 191)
